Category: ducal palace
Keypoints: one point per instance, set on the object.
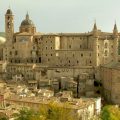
(62, 61)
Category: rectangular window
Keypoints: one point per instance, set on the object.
(69, 46)
(106, 53)
(16, 53)
(10, 53)
(80, 46)
(106, 45)
(77, 61)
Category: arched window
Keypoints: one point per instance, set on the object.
(80, 46)
(81, 54)
(90, 61)
(14, 39)
(106, 52)
(16, 52)
(106, 45)
(77, 61)
(8, 17)
(69, 46)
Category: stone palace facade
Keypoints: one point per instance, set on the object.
(35, 56)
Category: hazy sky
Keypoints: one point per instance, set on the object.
(64, 15)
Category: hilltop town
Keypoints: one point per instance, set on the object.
(36, 68)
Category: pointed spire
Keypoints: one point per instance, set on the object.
(95, 26)
(95, 30)
(115, 30)
(115, 26)
(27, 16)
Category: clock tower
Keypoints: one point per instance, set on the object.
(9, 25)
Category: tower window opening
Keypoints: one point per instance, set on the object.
(14, 39)
(90, 61)
(39, 59)
(106, 45)
(77, 61)
(8, 24)
(69, 46)
(8, 17)
(16, 53)
(106, 53)
(80, 46)
(10, 53)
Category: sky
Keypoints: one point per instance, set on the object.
(64, 15)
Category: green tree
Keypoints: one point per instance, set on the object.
(51, 111)
(110, 112)
(3, 116)
(27, 114)
(55, 111)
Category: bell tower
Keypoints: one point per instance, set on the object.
(9, 25)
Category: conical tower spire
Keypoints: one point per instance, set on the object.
(115, 30)
(95, 30)
(27, 16)
(95, 26)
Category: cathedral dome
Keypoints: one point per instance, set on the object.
(9, 11)
(27, 22)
